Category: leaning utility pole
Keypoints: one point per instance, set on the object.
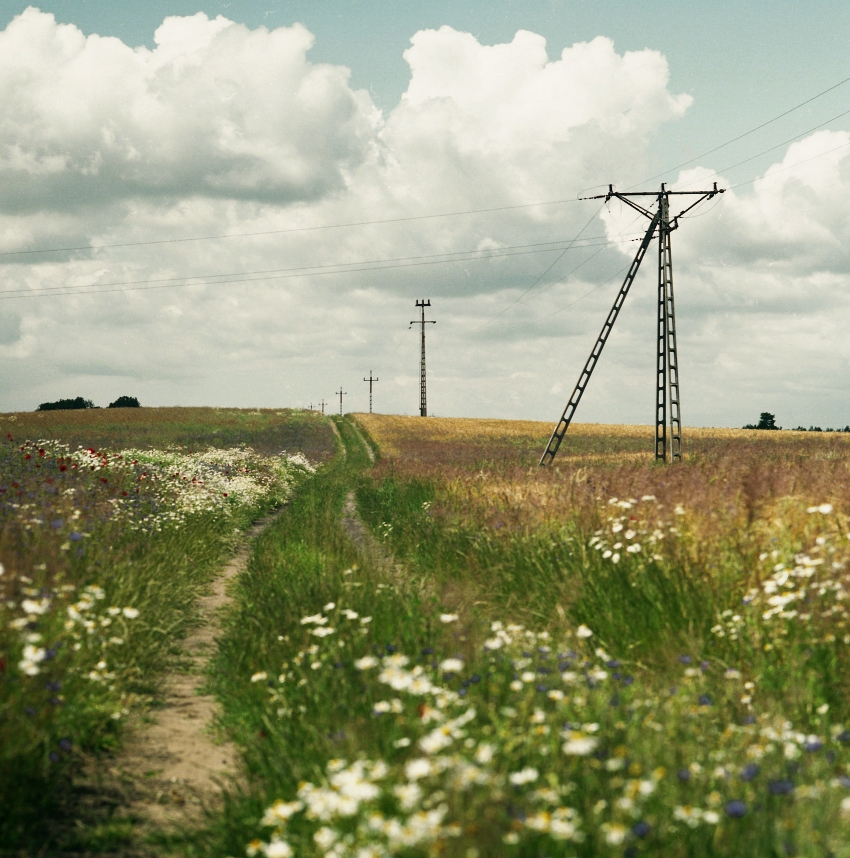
(340, 393)
(370, 380)
(667, 365)
(423, 403)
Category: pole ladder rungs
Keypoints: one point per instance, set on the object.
(596, 351)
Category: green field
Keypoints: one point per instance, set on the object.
(609, 657)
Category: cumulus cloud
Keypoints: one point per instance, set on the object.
(224, 130)
(214, 109)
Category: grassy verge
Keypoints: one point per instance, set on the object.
(537, 688)
(103, 555)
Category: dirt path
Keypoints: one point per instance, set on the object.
(358, 533)
(363, 441)
(171, 770)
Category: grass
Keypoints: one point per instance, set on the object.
(103, 556)
(267, 431)
(536, 688)
(604, 658)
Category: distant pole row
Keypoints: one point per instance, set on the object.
(423, 399)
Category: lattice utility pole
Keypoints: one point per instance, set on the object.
(423, 402)
(370, 380)
(340, 393)
(667, 365)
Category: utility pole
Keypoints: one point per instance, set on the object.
(323, 406)
(370, 380)
(341, 393)
(423, 402)
(667, 365)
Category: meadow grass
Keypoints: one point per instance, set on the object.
(103, 555)
(604, 658)
(523, 679)
(267, 430)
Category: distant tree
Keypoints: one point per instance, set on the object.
(125, 402)
(66, 405)
(846, 429)
(766, 421)
(815, 429)
(800, 429)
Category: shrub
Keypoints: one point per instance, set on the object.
(125, 402)
(66, 404)
(766, 421)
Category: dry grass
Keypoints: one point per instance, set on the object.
(731, 478)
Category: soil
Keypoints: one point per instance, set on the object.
(171, 769)
(357, 532)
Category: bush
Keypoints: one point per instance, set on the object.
(125, 402)
(66, 404)
(766, 421)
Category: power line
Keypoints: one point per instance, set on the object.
(304, 271)
(790, 166)
(287, 230)
(765, 151)
(746, 133)
(557, 260)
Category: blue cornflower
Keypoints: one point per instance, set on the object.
(685, 659)
(813, 745)
(641, 829)
(783, 787)
(750, 772)
(735, 808)
(683, 775)
(76, 536)
(705, 700)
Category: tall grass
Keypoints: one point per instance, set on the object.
(526, 684)
(103, 556)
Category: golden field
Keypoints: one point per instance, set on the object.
(489, 468)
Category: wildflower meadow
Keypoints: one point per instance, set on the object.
(102, 553)
(606, 658)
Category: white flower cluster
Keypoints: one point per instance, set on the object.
(806, 591)
(631, 531)
(87, 624)
(184, 484)
(450, 756)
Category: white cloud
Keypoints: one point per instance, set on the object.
(221, 130)
(215, 109)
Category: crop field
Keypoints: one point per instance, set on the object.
(438, 648)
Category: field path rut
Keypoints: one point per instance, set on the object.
(172, 770)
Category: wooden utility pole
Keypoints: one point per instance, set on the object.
(370, 380)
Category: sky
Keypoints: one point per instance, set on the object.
(238, 204)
